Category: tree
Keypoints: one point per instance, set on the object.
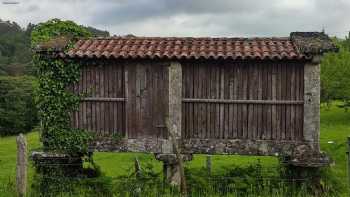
(17, 109)
(335, 72)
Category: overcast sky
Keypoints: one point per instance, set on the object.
(190, 17)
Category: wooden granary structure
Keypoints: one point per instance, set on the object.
(252, 96)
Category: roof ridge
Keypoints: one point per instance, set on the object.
(187, 37)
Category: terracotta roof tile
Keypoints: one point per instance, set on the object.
(186, 48)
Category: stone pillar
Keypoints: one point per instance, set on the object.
(171, 172)
(175, 97)
(171, 165)
(312, 102)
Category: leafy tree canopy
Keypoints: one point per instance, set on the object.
(335, 72)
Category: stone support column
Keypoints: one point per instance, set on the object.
(312, 88)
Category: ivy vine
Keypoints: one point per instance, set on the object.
(55, 75)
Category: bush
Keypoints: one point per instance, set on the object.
(17, 109)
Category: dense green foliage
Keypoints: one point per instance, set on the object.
(335, 72)
(15, 53)
(55, 101)
(17, 109)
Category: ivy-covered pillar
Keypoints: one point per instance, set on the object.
(63, 146)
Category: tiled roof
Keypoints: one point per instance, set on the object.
(130, 47)
(313, 42)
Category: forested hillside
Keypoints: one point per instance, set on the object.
(15, 53)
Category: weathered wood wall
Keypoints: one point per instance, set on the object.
(243, 101)
(103, 108)
(147, 104)
(221, 100)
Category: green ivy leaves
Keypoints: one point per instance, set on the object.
(55, 101)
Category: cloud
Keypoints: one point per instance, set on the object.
(190, 17)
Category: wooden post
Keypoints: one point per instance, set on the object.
(137, 168)
(209, 164)
(348, 152)
(21, 170)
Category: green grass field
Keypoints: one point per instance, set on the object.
(335, 127)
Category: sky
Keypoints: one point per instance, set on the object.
(193, 18)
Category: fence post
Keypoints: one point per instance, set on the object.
(21, 170)
(137, 168)
(348, 153)
(209, 164)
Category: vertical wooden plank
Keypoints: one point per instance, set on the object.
(284, 97)
(207, 105)
(195, 95)
(269, 97)
(84, 111)
(202, 105)
(189, 71)
(234, 96)
(292, 97)
(106, 104)
(114, 77)
(102, 94)
(139, 76)
(130, 70)
(125, 91)
(199, 88)
(82, 104)
(226, 106)
(251, 88)
(244, 97)
(256, 106)
(296, 107)
(123, 84)
(98, 104)
(110, 95)
(239, 81)
(92, 94)
(276, 116)
(288, 107)
(222, 91)
(264, 97)
(166, 101)
(207, 95)
(204, 95)
(217, 106)
(211, 84)
(230, 96)
(260, 107)
(87, 94)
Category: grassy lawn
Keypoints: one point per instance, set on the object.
(8, 155)
(335, 127)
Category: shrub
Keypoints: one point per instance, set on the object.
(17, 109)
